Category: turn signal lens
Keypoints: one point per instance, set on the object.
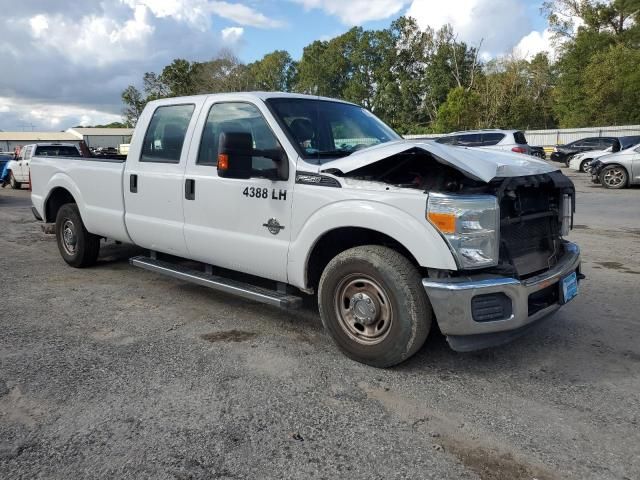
(445, 222)
(223, 161)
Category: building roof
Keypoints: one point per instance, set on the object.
(37, 137)
(103, 132)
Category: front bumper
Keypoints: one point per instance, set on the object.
(451, 299)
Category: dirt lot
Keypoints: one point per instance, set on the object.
(117, 372)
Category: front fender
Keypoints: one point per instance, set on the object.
(418, 237)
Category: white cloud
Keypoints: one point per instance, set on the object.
(243, 15)
(46, 116)
(232, 35)
(100, 38)
(534, 43)
(197, 12)
(497, 23)
(357, 12)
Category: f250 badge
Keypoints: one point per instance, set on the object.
(263, 193)
(273, 226)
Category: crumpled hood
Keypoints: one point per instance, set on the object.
(481, 164)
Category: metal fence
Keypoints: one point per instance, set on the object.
(546, 138)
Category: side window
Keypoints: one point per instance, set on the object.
(165, 134)
(607, 142)
(469, 140)
(238, 118)
(489, 139)
(450, 140)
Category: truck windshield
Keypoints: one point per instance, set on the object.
(323, 130)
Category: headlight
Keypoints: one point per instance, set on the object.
(470, 225)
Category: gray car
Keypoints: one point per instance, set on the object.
(618, 170)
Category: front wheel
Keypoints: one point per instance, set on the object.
(614, 176)
(12, 181)
(373, 305)
(78, 247)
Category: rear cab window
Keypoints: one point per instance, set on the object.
(57, 151)
(165, 135)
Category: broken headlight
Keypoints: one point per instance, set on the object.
(470, 224)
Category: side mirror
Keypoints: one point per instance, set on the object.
(235, 150)
(615, 147)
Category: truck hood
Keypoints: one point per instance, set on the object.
(479, 164)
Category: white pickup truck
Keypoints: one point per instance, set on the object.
(304, 195)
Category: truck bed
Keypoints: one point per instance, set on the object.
(96, 184)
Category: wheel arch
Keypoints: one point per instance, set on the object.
(340, 239)
(56, 199)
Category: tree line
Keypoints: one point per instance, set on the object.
(428, 81)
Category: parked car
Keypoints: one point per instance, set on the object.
(20, 167)
(509, 140)
(618, 170)
(538, 152)
(392, 235)
(582, 161)
(563, 153)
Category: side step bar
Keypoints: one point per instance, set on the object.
(234, 287)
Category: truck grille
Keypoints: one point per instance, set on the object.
(530, 228)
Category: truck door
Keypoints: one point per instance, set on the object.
(153, 179)
(23, 165)
(240, 224)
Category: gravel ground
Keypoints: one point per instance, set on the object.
(115, 372)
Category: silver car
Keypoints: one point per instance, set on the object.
(618, 170)
(509, 140)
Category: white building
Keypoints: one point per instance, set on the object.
(102, 137)
(10, 140)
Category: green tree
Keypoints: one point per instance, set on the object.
(461, 111)
(133, 105)
(275, 72)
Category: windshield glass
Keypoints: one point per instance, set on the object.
(323, 130)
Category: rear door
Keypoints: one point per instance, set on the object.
(154, 177)
(240, 224)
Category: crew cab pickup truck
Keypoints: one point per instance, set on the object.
(276, 195)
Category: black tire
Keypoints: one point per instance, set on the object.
(401, 315)
(78, 247)
(12, 181)
(583, 165)
(614, 177)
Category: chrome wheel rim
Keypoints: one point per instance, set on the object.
(69, 237)
(586, 167)
(614, 177)
(363, 309)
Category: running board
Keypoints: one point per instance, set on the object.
(226, 285)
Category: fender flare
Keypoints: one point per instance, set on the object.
(62, 180)
(419, 238)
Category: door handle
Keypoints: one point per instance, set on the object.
(133, 183)
(190, 189)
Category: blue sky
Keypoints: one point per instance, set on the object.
(65, 62)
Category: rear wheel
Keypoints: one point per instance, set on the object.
(585, 166)
(78, 247)
(373, 305)
(12, 181)
(614, 176)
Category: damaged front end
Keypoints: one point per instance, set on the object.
(503, 219)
